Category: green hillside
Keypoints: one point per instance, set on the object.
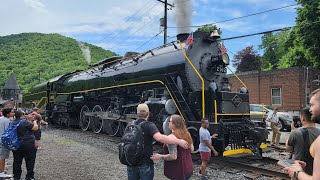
(52, 54)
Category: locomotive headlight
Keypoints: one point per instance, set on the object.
(225, 58)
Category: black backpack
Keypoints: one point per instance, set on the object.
(132, 144)
(307, 157)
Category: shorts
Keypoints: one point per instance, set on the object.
(37, 135)
(205, 156)
(4, 153)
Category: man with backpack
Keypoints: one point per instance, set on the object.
(4, 153)
(135, 148)
(27, 149)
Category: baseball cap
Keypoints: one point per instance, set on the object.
(142, 108)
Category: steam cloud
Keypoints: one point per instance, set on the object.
(183, 15)
(85, 51)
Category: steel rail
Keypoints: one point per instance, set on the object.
(245, 166)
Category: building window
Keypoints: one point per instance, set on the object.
(276, 96)
(307, 96)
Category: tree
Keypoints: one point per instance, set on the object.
(246, 60)
(274, 46)
(308, 26)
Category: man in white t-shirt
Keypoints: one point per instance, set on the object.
(274, 121)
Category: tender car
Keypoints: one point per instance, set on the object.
(284, 118)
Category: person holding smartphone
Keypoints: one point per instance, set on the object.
(297, 170)
(301, 138)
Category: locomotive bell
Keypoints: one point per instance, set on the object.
(215, 34)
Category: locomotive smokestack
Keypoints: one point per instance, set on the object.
(183, 15)
(182, 37)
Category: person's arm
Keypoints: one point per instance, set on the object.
(43, 122)
(173, 154)
(206, 142)
(268, 118)
(288, 148)
(35, 126)
(316, 165)
(170, 140)
(291, 140)
(191, 147)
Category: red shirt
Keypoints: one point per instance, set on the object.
(182, 167)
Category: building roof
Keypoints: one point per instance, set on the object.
(11, 82)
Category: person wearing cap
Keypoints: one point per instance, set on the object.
(27, 150)
(145, 168)
(274, 120)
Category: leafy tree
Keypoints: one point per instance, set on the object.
(27, 53)
(308, 26)
(295, 55)
(275, 47)
(246, 60)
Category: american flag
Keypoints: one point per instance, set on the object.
(189, 39)
(222, 48)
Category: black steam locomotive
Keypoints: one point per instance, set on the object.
(176, 78)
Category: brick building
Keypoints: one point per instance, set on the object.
(284, 88)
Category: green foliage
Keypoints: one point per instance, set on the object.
(274, 46)
(247, 60)
(209, 28)
(308, 26)
(299, 46)
(52, 54)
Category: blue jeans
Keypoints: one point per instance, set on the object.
(143, 172)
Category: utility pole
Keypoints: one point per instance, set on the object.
(165, 26)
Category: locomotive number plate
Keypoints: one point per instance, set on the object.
(220, 69)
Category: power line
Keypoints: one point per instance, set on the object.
(149, 40)
(133, 22)
(249, 15)
(259, 33)
(130, 17)
(146, 23)
(265, 32)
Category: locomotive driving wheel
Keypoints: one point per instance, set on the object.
(96, 121)
(84, 120)
(112, 127)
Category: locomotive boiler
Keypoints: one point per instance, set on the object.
(186, 77)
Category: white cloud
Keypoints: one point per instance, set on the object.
(96, 20)
(36, 5)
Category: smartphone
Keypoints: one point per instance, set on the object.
(285, 163)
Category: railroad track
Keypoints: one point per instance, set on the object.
(252, 167)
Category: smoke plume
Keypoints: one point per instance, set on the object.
(85, 51)
(183, 15)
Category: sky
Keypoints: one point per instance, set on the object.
(126, 25)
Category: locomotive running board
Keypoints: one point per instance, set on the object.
(237, 152)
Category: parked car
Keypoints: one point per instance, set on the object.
(284, 118)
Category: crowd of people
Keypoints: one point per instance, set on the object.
(303, 142)
(28, 132)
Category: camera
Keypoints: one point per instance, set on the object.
(296, 122)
